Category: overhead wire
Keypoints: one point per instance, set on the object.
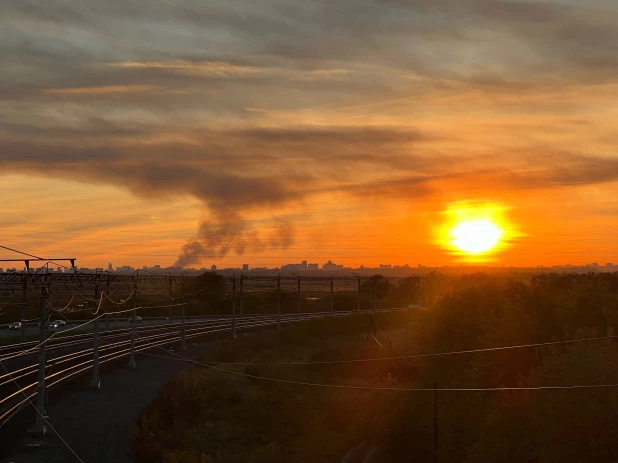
(7, 303)
(18, 354)
(120, 303)
(43, 417)
(37, 257)
(385, 388)
(65, 307)
(416, 356)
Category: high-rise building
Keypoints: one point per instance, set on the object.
(245, 267)
(110, 268)
(213, 268)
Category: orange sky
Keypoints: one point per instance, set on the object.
(307, 131)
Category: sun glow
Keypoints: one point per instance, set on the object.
(476, 236)
(475, 231)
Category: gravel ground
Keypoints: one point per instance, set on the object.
(97, 423)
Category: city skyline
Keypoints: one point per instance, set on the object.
(306, 267)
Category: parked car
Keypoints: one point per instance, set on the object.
(57, 324)
(137, 319)
(15, 326)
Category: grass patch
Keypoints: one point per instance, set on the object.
(207, 415)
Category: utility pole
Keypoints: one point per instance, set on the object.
(358, 296)
(40, 426)
(169, 282)
(279, 302)
(242, 307)
(298, 295)
(332, 303)
(358, 291)
(435, 423)
(107, 294)
(183, 339)
(96, 382)
(22, 326)
(133, 322)
(375, 285)
(234, 307)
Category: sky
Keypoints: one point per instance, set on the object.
(203, 132)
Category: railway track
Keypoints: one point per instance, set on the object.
(71, 356)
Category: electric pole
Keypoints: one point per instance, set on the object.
(234, 307)
(22, 326)
(435, 423)
(40, 426)
(107, 295)
(375, 285)
(133, 322)
(279, 302)
(298, 295)
(169, 282)
(183, 339)
(358, 296)
(96, 382)
(332, 303)
(242, 307)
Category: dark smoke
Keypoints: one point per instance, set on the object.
(230, 233)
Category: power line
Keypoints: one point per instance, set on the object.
(394, 389)
(416, 356)
(18, 354)
(41, 415)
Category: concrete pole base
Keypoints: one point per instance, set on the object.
(40, 426)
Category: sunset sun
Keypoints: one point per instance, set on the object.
(475, 236)
(475, 231)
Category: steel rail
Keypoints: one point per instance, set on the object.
(143, 343)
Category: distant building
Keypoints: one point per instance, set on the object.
(289, 267)
(313, 266)
(213, 268)
(125, 268)
(330, 266)
(110, 268)
(385, 266)
(245, 267)
(296, 267)
(609, 264)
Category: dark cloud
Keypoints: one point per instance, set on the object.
(525, 40)
(260, 167)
